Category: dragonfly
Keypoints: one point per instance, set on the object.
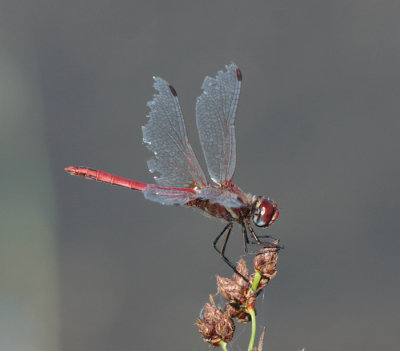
(179, 178)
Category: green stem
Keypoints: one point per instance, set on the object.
(252, 313)
(223, 345)
(256, 281)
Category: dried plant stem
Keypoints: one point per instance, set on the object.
(261, 341)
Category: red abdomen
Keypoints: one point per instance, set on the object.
(105, 177)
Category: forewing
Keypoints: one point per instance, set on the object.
(165, 135)
(215, 117)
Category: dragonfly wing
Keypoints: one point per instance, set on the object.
(168, 196)
(181, 196)
(215, 117)
(165, 135)
(221, 196)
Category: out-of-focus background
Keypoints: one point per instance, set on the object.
(86, 266)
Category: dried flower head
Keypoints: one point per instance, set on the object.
(240, 291)
(236, 291)
(241, 267)
(216, 325)
(265, 261)
(236, 311)
(230, 290)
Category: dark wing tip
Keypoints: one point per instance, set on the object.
(173, 91)
(239, 74)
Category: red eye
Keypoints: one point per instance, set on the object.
(266, 213)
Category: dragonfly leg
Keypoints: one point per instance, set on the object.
(245, 238)
(264, 236)
(253, 233)
(221, 252)
(219, 236)
(226, 239)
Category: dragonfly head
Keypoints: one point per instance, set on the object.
(265, 212)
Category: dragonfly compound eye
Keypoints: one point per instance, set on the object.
(265, 213)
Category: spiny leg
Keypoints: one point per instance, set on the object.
(264, 236)
(226, 240)
(253, 233)
(221, 252)
(245, 237)
(219, 236)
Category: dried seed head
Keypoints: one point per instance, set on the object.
(209, 312)
(216, 325)
(265, 261)
(242, 269)
(230, 290)
(236, 311)
(205, 329)
(225, 327)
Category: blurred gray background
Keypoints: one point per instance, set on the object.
(86, 266)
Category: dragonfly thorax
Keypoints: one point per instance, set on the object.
(265, 212)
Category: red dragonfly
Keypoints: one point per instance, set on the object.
(181, 181)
